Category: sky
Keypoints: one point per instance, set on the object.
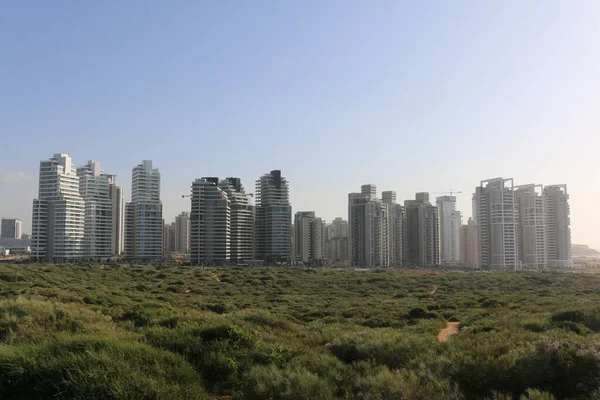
(410, 96)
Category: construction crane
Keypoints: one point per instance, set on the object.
(451, 192)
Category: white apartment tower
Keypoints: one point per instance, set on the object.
(450, 223)
(531, 215)
(273, 221)
(497, 224)
(558, 226)
(182, 233)
(11, 228)
(143, 215)
(58, 212)
(468, 244)
(396, 229)
(242, 220)
(210, 223)
(368, 229)
(118, 215)
(94, 187)
(308, 237)
(423, 233)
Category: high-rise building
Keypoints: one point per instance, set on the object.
(210, 223)
(308, 237)
(182, 233)
(336, 240)
(169, 238)
(143, 215)
(58, 212)
(423, 233)
(558, 226)
(450, 223)
(95, 191)
(11, 228)
(497, 224)
(118, 215)
(468, 244)
(273, 221)
(242, 220)
(531, 217)
(368, 229)
(396, 228)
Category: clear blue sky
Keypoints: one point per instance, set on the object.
(411, 96)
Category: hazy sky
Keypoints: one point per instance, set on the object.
(410, 96)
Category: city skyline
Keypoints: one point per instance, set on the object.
(442, 88)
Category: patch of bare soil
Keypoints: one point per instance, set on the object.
(451, 329)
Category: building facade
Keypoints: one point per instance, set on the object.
(450, 223)
(273, 221)
(11, 228)
(423, 234)
(169, 239)
(469, 249)
(497, 225)
(336, 240)
(143, 215)
(117, 201)
(242, 220)
(368, 229)
(210, 223)
(531, 216)
(58, 212)
(308, 237)
(558, 226)
(182, 233)
(396, 228)
(94, 187)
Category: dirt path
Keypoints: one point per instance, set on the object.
(451, 329)
(432, 291)
(214, 276)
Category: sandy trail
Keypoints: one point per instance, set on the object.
(451, 329)
(432, 291)
(214, 276)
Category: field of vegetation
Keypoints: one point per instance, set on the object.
(121, 332)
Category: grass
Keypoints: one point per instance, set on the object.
(141, 332)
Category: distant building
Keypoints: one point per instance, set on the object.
(495, 211)
(531, 217)
(368, 229)
(143, 215)
(308, 237)
(336, 240)
(558, 225)
(241, 220)
(169, 238)
(396, 229)
(468, 244)
(182, 233)
(210, 223)
(450, 223)
(94, 187)
(118, 216)
(423, 234)
(58, 212)
(273, 220)
(11, 228)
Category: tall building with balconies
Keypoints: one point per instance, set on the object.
(423, 233)
(308, 237)
(241, 220)
(497, 224)
(368, 229)
(210, 223)
(143, 215)
(396, 229)
(273, 221)
(469, 248)
(118, 216)
(58, 212)
(531, 216)
(182, 233)
(336, 240)
(558, 226)
(94, 187)
(450, 223)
